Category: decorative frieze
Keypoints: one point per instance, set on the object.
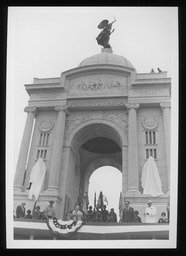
(96, 103)
(146, 92)
(48, 95)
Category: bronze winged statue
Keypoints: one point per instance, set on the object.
(104, 35)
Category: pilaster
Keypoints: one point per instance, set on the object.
(165, 106)
(23, 154)
(133, 174)
(57, 149)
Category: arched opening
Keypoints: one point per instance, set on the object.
(107, 179)
(92, 146)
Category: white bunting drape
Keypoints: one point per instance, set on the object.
(36, 178)
(150, 179)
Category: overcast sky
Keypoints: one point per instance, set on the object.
(43, 42)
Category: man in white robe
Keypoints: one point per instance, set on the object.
(150, 213)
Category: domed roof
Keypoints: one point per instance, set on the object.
(106, 57)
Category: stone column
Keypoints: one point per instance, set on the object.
(133, 175)
(124, 169)
(57, 149)
(167, 135)
(23, 153)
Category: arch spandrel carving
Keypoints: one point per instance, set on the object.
(118, 118)
(79, 132)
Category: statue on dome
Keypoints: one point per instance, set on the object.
(104, 35)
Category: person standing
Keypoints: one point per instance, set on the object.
(128, 213)
(150, 213)
(104, 214)
(112, 217)
(90, 213)
(20, 210)
(137, 217)
(28, 215)
(168, 210)
(163, 218)
(78, 215)
(50, 210)
(37, 213)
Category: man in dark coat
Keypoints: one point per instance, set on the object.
(128, 213)
(112, 217)
(20, 210)
(104, 214)
(28, 215)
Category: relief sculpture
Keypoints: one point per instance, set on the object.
(75, 119)
(118, 117)
(101, 85)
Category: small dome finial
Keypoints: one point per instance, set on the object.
(107, 50)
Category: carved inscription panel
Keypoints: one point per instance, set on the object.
(101, 84)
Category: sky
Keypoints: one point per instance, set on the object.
(45, 41)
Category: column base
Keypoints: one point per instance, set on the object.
(52, 189)
(168, 192)
(133, 191)
(19, 189)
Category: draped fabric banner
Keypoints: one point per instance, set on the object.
(64, 228)
(151, 182)
(36, 179)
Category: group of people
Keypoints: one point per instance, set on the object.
(48, 213)
(96, 215)
(129, 215)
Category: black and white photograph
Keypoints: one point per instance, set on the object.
(91, 120)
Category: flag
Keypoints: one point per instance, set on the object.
(121, 206)
(100, 201)
(36, 179)
(78, 202)
(94, 200)
(85, 202)
(105, 200)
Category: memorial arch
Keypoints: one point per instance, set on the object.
(100, 113)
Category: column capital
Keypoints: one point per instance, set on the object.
(165, 105)
(30, 109)
(61, 108)
(132, 105)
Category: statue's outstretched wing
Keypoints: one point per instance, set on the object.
(103, 23)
